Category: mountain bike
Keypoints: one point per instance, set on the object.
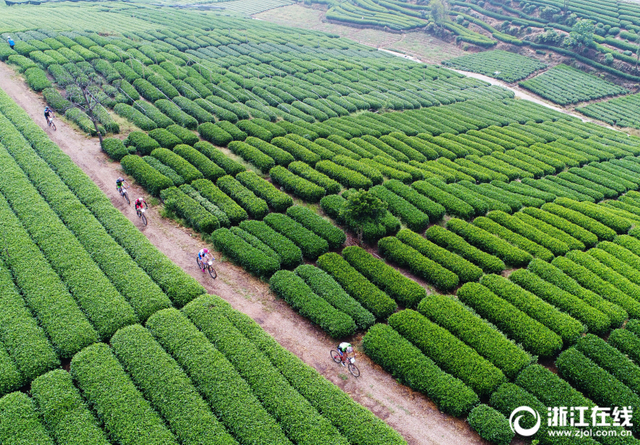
(342, 359)
(208, 266)
(141, 215)
(123, 192)
(52, 124)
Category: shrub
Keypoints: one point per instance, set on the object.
(326, 287)
(491, 425)
(208, 168)
(126, 415)
(574, 230)
(434, 210)
(394, 250)
(165, 138)
(114, 148)
(148, 91)
(187, 208)
(290, 287)
(180, 165)
(292, 183)
(562, 324)
(276, 199)
(449, 313)
(255, 130)
(594, 319)
(514, 239)
(214, 134)
(256, 207)
(20, 421)
(554, 245)
(142, 142)
(312, 245)
(37, 79)
(590, 280)
(208, 190)
(290, 254)
(587, 377)
(626, 342)
(372, 298)
(280, 156)
(55, 100)
(452, 204)
(449, 353)
(174, 112)
(299, 151)
(83, 121)
(252, 155)
(204, 202)
(145, 175)
(465, 270)
(185, 136)
(455, 243)
(343, 175)
(534, 337)
(244, 254)
(136, 117)
(228, 165)
(318, 225)
(408, 213)
(599, 213)
(485, 241)
(310, 174)
(405, 362)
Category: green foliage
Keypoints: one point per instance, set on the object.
(280, 156)
(126, 415)
(174, 112)
(534, 337)
(297, 185)
(64, 411)
(230, 166)
(276, 199)
(165, 138)
(209, 169)
(299, 295)
(135, 116)
(244, 254)
(207, 189)
(345, 176)
(214, 134)
(187, 208)
(490, 424)
(405, 362)
(142, 142)
(114, 148)
(153, 181)
(20, 421)
(453, 205)
(37, 79)
(290, 255)
(312, 245)
(252, 155)
(255, 207)
(180, 165)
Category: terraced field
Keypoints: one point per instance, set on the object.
(262, 139)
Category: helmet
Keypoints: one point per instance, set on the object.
(46, 108)
(349, 349)
(140, 199)
(205, 250)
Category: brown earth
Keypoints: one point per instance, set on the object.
(409, 412)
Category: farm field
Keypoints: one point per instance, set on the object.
(499, 244)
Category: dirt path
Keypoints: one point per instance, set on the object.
(410, 413)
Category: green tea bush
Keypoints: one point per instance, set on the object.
(290, 287)
(276, 199)
(244, 254)
(188, 172)
(434, 210)
(515, 239)
(187, 208)
(290, 254)
(175, 113)
(142, 142)
(114, 148)
(185, 136)
(554, 245)
(574, 230)
(310, 174)
(209, 169)
(252, 155)
(394, 250)
(208, 190)
(297, 150)
(407, 212)
(534, 337)
(125, 414)
(343, 175)
(405, 362)
(312, 245)
(280, 156)
(37, 79)
(626, 342)
(135, 116)
(20, 420)
(296, 185)
(598, 213)
(453, 205)
(165, 138)
(255, 207)
(145, 175)
(490, 424)
(214, 134)
(318, 225)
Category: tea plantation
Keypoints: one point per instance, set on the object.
(507, 235)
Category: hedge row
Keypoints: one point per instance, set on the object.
(229, 396)
(114, 148)
(276, 199)
(310, 174)
(303, 423)
(491, 425)
(252, 155)
(407, 212)
(405, 362)
(290, 287)
(188, 209)
(483, 337)
(372, 298)
(345, 176)
(395, 250)
(244, 254)
(297, 150)
(208, 190)
(574, 230)
(453, 205)
(449, 353)
(209, 169)
(312, 245)
(318, 225)
(181, 166)
(534, 336)
(20, 421)
(204, 202)
(125, 414)
(290, 254)
(545, 240)
(227, 164)
(515, 239)
(255, 207)
(568, 328)
(280, 156)
(142, 142)
(598, 213)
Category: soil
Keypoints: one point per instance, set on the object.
(410, 413)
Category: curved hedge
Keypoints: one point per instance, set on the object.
(187, 208)
(406, 363)
(290, 254)
(291, 288)
(252, 155)
(395, 250)
(20, 421)
(534, 337)
(181, 166)
(255, 207)
(491, 425)
(312, 245)
(449, 353)
(244, 254)
(208, 168)
(318, 225)
(276, 199)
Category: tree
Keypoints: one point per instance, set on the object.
(581, 35)
(88, 99)
(439, 11)
(363, 208)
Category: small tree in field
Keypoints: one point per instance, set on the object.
(363, 207)
(89, 99)
(581, 35)
(439, 11)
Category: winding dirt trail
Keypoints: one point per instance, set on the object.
(409, 412)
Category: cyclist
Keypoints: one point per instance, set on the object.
(203, 256)
(119, 184)
(48, 114)
(140, 202)
(11, 42)
(344, 349)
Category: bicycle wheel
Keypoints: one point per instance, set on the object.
(335, 356)
(212, 272)
(126, 196)
(144, 218)
(353, 369)
(200, 266)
